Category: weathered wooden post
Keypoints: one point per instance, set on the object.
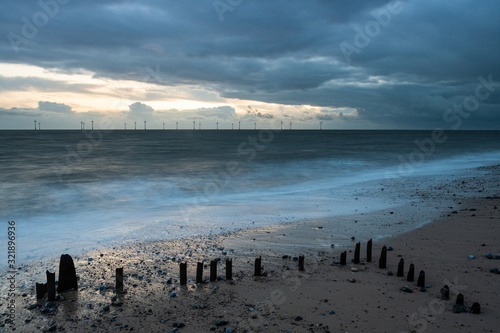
(421, 279)
(67, 274)
(369, 251)
(382, 263)
(460, 299)
(343, 258)
(301, 263)
(445, 292)
(183, 273)
(119, 280)
(356, 253)
(213, 270)
(258, 268)
(229, 269)
(401, 268)
(199, 273)
(411, 273)
(41, 290)
(51, 286)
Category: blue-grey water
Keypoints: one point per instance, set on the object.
(76, 190)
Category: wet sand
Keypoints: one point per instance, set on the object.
(325, 297)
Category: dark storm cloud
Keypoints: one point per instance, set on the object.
(398, 63)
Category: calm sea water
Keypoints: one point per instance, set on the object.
(82, 189)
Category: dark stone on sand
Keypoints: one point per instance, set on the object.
(406, 289)
(489, 256)
(298, 318)
(67, 274)
(221, 322)
(34, 306)
(459, 308)
(52, 328)
(390, 248)
(475, 308)
(494, 270)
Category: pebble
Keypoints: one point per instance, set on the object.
(298, 318)
(475, 308)
(173, 294)
(489, 256)
(221, 322)
(406, 289)
(471, 257)
(390, 248)
(458, 308)
(494, 270)
(354, 269)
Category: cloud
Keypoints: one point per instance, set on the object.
(54, 107)
(409, 70)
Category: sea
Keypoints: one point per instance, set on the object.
(71, 191)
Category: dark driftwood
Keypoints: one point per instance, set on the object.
(67, 274)
(382, 263)
(401, 268)
(213, 270)
(301, 263)
(258, 268)
(356, 253)
(421, 279)
(183, 273)
(369, 251)
(199, 273)
(229, 269)
(51, 286)
(343, 258)
(41, 290)
(119, 280)
(411, 273)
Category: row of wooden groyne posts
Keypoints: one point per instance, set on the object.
(68, 280)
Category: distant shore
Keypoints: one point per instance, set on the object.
(325, 297)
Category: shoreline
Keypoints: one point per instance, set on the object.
(277, 299)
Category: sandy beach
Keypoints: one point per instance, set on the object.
(325, 297)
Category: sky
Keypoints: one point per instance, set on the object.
(333, 64)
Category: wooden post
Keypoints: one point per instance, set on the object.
(229, 269)
(401, 268)
(343, 258)
(356, 253)
(213, 270)
(445, 292)
(382, 263)
(41, 290)
(119, 280)
(183, 273)
(460, 299)
(301, 263)
(199, 273)
(421, 279)
(51, 286)
(67, 274)
(369, 251)
(258, 269)
(411, 273)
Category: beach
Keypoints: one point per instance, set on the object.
(325, 297)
